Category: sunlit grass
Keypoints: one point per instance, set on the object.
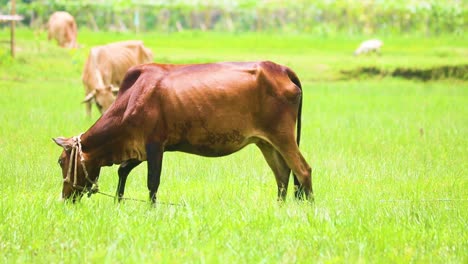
(389, 161)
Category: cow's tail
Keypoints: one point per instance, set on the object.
(293, 77)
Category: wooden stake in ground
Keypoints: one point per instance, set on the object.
(12, 18)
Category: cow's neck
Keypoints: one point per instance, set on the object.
(97, 73)
(110, 144)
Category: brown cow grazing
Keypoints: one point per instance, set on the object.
(204, 109)
(105, 69)
(62, 27)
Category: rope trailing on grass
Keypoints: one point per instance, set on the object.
(140, 200)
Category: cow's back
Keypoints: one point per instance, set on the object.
(112, 62)
(118, 57)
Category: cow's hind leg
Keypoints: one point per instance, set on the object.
(299, 190)
(301, 169)
(154, 156)
(125, 168)
(278, 166)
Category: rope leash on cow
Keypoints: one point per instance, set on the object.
(75, 152)
(94, 188)
(139, 200)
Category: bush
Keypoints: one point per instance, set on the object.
(320, 17)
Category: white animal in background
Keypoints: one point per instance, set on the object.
(371, 45)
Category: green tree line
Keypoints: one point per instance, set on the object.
(320, 17)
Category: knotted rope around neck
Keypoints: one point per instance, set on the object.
(75, 152)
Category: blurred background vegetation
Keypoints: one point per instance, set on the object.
(318, 17)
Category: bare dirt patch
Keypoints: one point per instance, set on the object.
(427, 74)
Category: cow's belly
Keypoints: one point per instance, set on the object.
(214, 142)
(206, 150)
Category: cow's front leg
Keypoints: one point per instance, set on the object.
(124, 170)
(154, 156)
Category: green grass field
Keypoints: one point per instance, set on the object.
(389, 158)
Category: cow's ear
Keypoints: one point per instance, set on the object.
(89, 96)
(65, 143)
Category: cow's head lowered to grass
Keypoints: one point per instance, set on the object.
(79, 175)
(103, 97)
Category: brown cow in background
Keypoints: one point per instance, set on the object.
(62, 27)
(105, 69)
